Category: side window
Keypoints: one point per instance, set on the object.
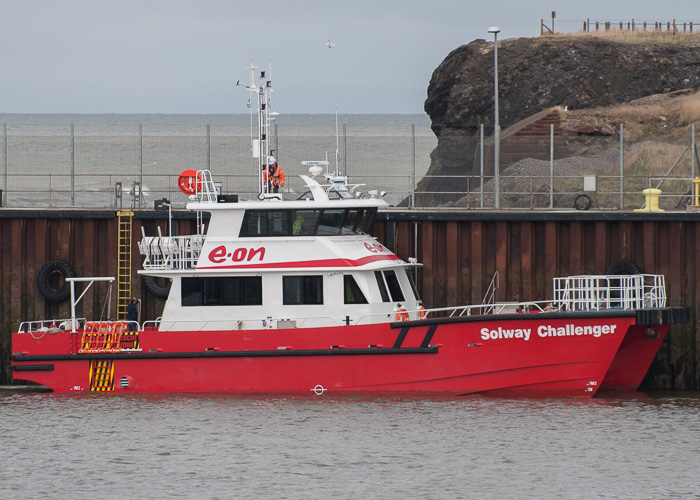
(278, 223)
(298, 290)
(254, 223)
(191, 289)
(353, 293)
(352, 218)
(382, 286)
(394, 288)
(331, 222)
(304, 222)
(222, 291)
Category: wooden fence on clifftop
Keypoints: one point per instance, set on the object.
(631, 27)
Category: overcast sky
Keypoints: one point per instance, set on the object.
(185, 56)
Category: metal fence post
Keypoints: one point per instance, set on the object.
(4, 161)
(551, 165)
(72, 164)
(140, 164)
(692, 151)
(208, 146)
(345, 149)
(622, 168)
(481, 162)
(413, 164)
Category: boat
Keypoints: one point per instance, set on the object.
(295, 297)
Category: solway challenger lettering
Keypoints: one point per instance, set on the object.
(545, 331)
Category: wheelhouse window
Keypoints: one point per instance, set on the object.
(304, 222)
(222, 291)
(307, 222)
(382, 286)
(389, 286)
(302, 290)
(392, 282)
(352, 219)
(331, 222)
(353, 292)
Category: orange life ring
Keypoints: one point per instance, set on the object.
(190, 181)
(402, 314)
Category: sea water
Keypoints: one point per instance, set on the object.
(67, 160)
(223, 446)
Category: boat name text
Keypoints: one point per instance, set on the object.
(220, 254)
(544, 331)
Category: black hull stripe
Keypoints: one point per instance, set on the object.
(33, 368)
(656, 316)
(225, 354)
(428, 336)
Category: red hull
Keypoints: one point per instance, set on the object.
(634, 357)
(450, 356)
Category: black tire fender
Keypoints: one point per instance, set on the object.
(157, 289)
(51, 280)
(582, 202)
(623, 267)
(619, 268)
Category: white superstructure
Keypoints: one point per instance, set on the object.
(270, 263)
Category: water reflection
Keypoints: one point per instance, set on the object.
(361, 446)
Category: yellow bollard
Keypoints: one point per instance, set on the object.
(696, 181)
(651, 203)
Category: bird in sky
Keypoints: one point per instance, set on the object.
(329, 44)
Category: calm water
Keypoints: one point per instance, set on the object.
(223, 124)
(46, 166)
(219, 446)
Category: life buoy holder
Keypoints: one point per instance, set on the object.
(51, 280)
(189, 181)
(401, 314)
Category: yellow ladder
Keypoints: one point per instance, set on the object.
(124, 219)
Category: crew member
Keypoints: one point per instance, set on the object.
(273, 175)
(132, 314)
(421, 310)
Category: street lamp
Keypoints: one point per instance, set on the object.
(496, 126)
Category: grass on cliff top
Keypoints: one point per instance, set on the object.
(628, 36)
(654, 116)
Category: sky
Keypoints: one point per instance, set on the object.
(185, 56)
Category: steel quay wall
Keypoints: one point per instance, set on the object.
(460, 252)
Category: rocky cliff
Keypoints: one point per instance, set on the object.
(574, 72)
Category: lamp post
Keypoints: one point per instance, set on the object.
(496, 126)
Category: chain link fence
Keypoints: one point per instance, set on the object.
(536, 171)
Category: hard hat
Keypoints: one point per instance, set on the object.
(271, 160)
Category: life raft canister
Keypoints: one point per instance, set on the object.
(189, 181)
